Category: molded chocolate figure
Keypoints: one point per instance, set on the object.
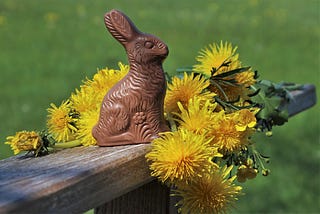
(132, 111)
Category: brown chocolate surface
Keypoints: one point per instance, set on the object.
(132, 111)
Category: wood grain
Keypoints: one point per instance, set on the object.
(152, 198)
(302, 99)
(72, 180)
(78, 179)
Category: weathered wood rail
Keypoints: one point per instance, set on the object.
(109, 179)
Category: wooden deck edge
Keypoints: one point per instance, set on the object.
(72, 180)
(302, 99)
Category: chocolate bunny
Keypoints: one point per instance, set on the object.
(132, 111)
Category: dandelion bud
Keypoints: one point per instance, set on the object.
(265, 172)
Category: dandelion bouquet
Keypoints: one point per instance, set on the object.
(213, 109)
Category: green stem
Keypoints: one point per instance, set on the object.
(172, 123)
(258, 156)
(254, 88)
(69, 144)
(220, 89)
(226, 104)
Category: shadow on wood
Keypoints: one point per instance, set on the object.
(151, 198)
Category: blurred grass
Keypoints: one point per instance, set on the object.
(46, 49)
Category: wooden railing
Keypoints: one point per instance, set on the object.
(109, 179)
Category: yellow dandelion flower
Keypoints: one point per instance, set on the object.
(231, 93)
(24, 141)
(222, 59)
(234, 92)
(198, 117)
(213, 192)
(84, 100)
(226, 135)
(214, 56)
(105, 79)
(180, 156)
(60, 123)
(91, 94)
(85, 124)
(246, 78)
(183, 89)
(124, 69)
(245, 118)
(238, 91)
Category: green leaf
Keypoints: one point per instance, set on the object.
(273, 99)
(269, 105)
(232, 72)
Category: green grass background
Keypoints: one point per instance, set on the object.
(48, 47)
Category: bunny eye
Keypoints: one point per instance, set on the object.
(148, 45)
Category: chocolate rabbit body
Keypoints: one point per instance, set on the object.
(132, 111)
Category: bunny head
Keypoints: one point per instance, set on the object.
(141, 48)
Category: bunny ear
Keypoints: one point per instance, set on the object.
(120, 26)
